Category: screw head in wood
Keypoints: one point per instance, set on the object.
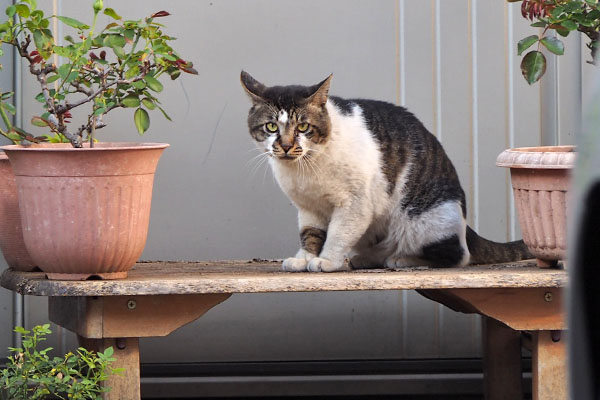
(131, 304)
(548, 296)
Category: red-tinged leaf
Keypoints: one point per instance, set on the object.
(103, 55)
(189, 70)
(38, 121)
(93, 56)
(160, 14)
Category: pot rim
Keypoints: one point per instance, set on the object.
(542, 157)
(67, 147)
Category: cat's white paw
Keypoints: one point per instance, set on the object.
(323, 265)
(294, 264)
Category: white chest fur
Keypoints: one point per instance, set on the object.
(347, 166)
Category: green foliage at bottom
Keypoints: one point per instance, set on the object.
(32, 374)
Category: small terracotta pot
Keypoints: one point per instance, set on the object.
(540, 179)
(85, 212)
(12, 244)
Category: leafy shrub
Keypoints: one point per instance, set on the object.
(32, 374)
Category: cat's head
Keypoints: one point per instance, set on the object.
(288, 121)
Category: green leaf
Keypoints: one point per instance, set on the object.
(72, 22)
(63, 51)
(533, 66)
(10, 108)
(131, 101)
(142, 120)
(10, 11)
(63, 70)
(570, 25)
(131, 72)
(21, 330)
(153, 83)
(539, 24)
(111, 13)
(165, 113)
(109, 352)
(557, 11)
(119, 52)
(114, 40)
(554, 45)
(43, 41)
(23, 10)
(53, 78)
(526, 43)
(139, 84)
(149, 104)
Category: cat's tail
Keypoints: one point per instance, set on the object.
(485, 251)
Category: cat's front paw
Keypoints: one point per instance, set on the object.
(294, 264)
(321, 264)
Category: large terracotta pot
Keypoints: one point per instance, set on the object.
(85, 212)
(540, 179)
(11, 236)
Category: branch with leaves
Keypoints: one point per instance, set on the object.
(563, 17)
(119, 67)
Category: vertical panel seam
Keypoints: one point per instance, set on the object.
(437, 70)
(474, 112)
(510, 110)
(400, 55)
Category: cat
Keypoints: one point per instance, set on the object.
(368, 179)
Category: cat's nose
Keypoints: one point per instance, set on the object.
(286, 147)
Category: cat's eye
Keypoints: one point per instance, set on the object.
(271, 127)
(303, 127)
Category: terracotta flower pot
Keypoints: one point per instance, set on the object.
(11, 236)
(85, 212)
(540, 179)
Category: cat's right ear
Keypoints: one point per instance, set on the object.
(254, 88)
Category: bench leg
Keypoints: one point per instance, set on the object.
(549, 367)
(501, 361)
(127, 354)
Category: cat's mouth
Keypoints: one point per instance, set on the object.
(288, 157)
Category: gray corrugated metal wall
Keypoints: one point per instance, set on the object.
(453, 64)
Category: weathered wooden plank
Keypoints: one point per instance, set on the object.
(259, 277)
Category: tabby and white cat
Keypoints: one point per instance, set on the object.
(368, 180)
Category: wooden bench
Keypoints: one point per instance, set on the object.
(159, 297)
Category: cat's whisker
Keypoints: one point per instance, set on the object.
(260, 161)
(313, 165)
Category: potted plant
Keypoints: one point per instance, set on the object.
(31, 373)
(540, 176)
(562, 17)
(12, 245)
(85, 205)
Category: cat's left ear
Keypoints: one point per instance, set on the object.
(254, 88)
(320, 92)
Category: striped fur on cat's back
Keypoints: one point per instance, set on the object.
(368, 180)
